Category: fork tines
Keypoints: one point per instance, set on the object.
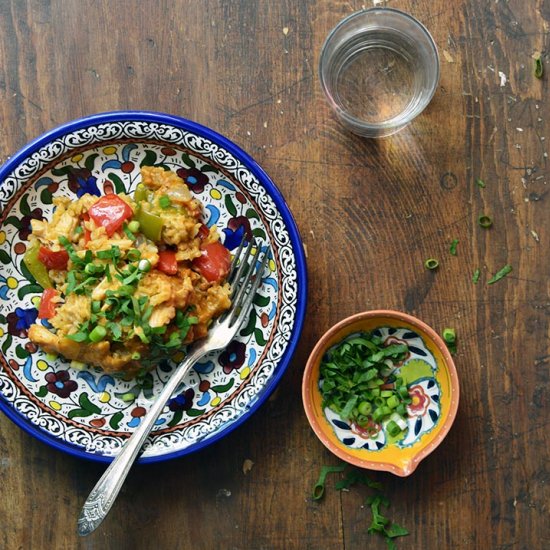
(245, 278)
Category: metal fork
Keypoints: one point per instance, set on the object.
(245, 277)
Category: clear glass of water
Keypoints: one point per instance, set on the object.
(379, 69)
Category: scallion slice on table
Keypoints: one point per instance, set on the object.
(476, 275)
(539, 67)
(452, 248)
(319, 488)
(431, 263)
(360, 382)
(500, 274)
(480, 183)
(449, 335)
(485, 221)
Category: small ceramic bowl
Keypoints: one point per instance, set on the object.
(430, 376)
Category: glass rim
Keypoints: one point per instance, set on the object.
(393, 123)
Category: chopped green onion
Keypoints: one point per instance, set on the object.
(144, 265)
(393, 402)
(480, 183)
(98, 333)
(539, 67)
(401, 410)
(357, 476)
(431, 263)
(379, 401)
(452, 248)
(128, 233)
(485, 221)
(96, 306)
(319, 488)
(79, 336)
(475, 276)
(381, 524)
(393, 429)
(133, 226)
(92, 269)
(133, 254)
(449, 335)
(364, 408)
(500, 274)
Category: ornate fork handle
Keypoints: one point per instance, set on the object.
(247, 277)
(103, 495)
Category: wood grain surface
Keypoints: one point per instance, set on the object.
(370, 213)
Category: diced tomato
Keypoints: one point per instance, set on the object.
(167, 262)
(47, 304)
(203, 232)
(53, 259)
(214, 263)
(110, 212)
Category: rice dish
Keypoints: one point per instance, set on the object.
(128, 280)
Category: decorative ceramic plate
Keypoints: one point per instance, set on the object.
(431, 379)
(89, 413)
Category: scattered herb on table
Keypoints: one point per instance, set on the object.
(500, 274)
(319, 487)
(476, 275)
(449, 336)
(359, 383)
(539, 67)
(431, 263)
(485, 221)
(354, 476)
(452, 248)
(480, 183)
(380, 524)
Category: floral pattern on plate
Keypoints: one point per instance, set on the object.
(91, 413)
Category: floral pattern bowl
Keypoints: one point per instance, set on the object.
(89, 413)
(431, 379)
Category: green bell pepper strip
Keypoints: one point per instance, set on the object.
(149, 224)
(141, 194)
(36, 268)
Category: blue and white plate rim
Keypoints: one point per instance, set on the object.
(272, 190)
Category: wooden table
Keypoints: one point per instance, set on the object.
(370, 213)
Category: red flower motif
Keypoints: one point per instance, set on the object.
(183, 401)
(20, 320)
(420, 401)
(371, 430)
(26, 229)
(60, 383)
(233, 356)
(194, 178)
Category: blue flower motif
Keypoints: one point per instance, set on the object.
(25, 317)
(183, 401)
(4, 288)
(233, 238)
(87, 186)
(236, 228)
